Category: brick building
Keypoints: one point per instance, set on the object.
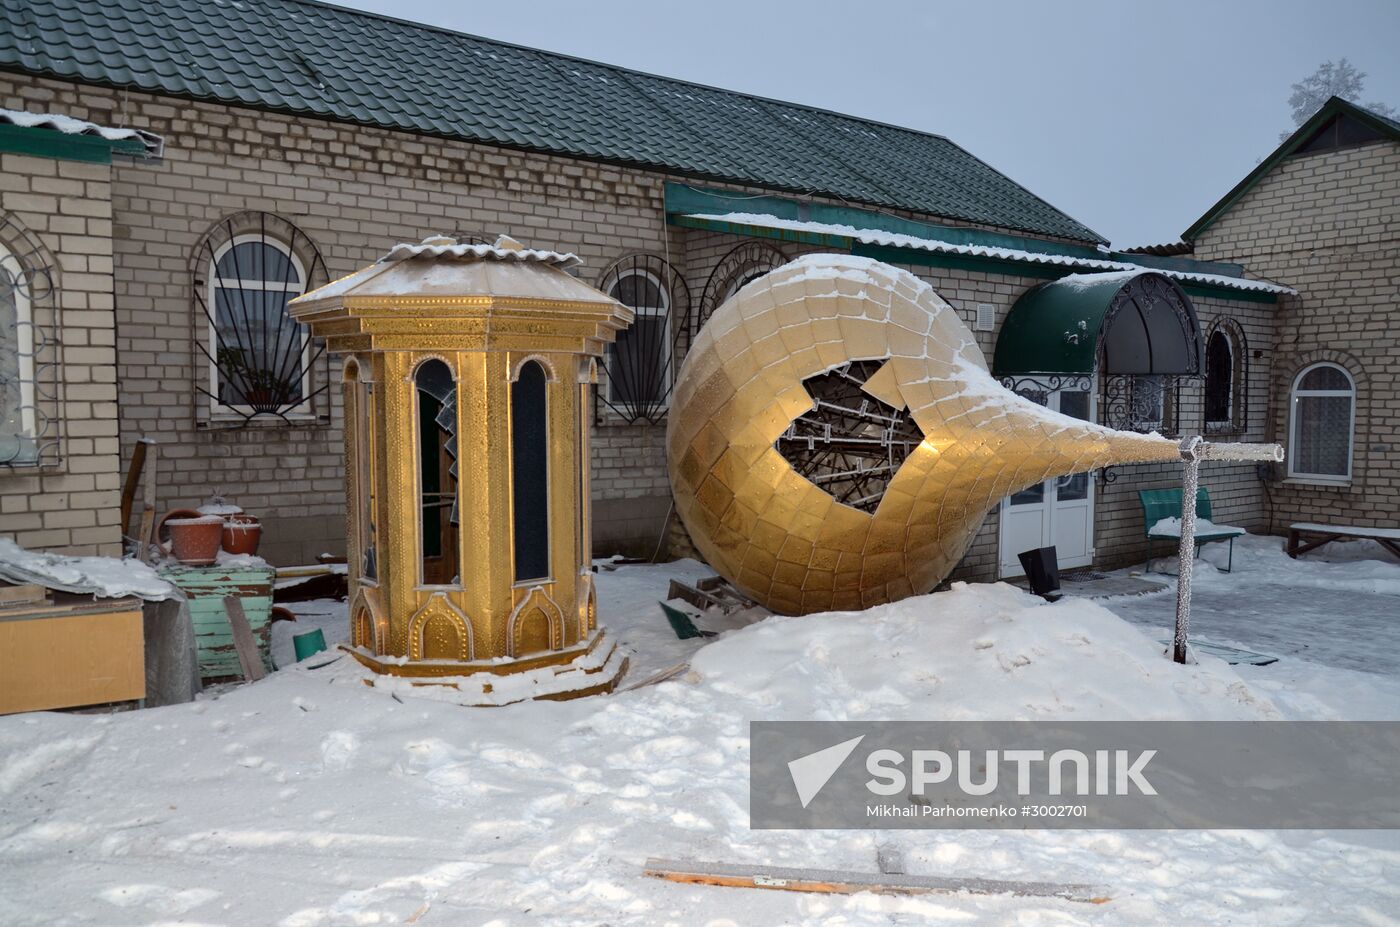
(234, 180)
(1322, 212)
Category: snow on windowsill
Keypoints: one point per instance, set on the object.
(1316, 481)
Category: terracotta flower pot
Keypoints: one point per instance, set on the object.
(195, 539)
(241, 534)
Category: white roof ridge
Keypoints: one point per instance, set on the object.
(434, 247)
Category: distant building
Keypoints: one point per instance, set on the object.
(259, 156)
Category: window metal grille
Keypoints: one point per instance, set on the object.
(261, 361)
(640, 363)
(30, 350)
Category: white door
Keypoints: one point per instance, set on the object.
(1058, 512)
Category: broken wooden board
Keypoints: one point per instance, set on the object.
(842, 882)
(205, 588)
(133, 479)
(670, 672)
(22, 595)
(249, 658)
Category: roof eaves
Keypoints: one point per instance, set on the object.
(1291, 144)
(749, 223)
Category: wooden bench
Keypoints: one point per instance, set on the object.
(1389, 538)
(1158, 504)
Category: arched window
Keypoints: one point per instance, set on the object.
(529, 445)
(742, 265)
(437, 471)
(17, 406)
(1321, 424)
(1227, 375)
(639, 363)
(246, 270)
(260, 360)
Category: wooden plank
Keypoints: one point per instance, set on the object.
(69, 603)
(841, 882)
(133, 479)
(22, 594)
(146, 534)
(249, 657)
(670, 672)
(63, 661)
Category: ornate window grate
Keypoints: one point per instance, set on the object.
(30, 350)
(744, 264)
(1226, 397)
(1141, 402)
(640, 364)
(850, 444)
(261, 361)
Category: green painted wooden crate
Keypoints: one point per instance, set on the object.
(205, 587)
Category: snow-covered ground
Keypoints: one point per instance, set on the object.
(1339, 606)
(310, 798)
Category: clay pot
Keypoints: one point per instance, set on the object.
(241, 534)
(194, 538)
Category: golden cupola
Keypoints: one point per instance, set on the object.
(467, 377)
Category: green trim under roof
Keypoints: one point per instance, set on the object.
(698, 208)
(42, 142)
(682, 199)
(1334, 107)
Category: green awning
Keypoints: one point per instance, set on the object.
(1140, 322)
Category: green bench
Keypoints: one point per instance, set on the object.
(1158, 504)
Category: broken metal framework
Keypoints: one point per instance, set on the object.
(850, 444)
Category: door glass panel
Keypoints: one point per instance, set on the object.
(1031, 495)
(1075, 404)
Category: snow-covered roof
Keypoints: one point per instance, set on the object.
(899, 240)
(67, 125)
(504, 249)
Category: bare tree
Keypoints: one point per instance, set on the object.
(1331, 79)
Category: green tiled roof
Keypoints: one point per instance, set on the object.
(304, 57)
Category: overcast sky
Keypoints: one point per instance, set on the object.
(1133, 117)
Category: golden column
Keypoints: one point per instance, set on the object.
(466, 437)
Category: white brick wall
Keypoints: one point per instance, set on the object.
(71, 506)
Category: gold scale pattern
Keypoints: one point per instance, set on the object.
(784, 540)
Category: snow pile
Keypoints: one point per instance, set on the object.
(106, 577)
(1263, 559)
(988, 652)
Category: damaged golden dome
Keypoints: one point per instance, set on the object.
(836, 439)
